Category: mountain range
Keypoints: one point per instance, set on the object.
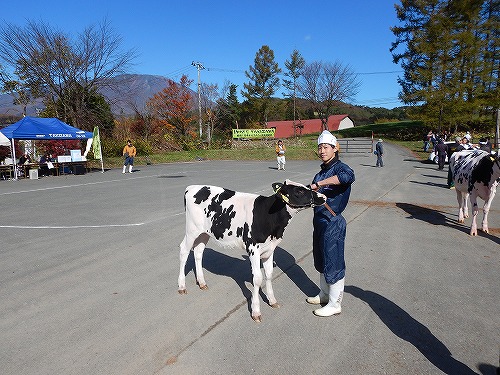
(125, 93)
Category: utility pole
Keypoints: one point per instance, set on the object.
(497, 133)
(199, 66)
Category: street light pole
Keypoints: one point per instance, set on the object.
(199, 66)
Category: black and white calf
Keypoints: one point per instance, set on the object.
(250, 222)
(475, 174)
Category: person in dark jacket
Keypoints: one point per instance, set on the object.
(333, 180)
(441, 151)
(379, 148)
(485, 145)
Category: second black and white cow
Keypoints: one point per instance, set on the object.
(475, 174)
(253, 223)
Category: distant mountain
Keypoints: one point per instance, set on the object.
(128, 92)
(125, 93)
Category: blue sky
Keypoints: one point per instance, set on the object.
(225, 35)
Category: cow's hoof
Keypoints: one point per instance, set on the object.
(257, 318)
(275, 305)
(461, 221)
(473, 234)
(203, 286)
(183, 291)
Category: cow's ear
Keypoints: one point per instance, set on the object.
(277, 186)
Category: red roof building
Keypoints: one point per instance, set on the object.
(284, 129)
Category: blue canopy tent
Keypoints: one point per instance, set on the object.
(40, 128)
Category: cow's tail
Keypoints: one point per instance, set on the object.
(185, 193)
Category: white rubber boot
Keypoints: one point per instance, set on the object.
(322, 297)
(130, 169)
(335, 299)
(124, 169)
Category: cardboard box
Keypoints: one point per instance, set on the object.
(33, 174)
(76, 155)
(64, 159)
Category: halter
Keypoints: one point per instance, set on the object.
(285, 199)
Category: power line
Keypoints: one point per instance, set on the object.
(390, 72)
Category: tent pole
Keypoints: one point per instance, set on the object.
(14, 160)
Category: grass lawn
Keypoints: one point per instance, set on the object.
(406, 134)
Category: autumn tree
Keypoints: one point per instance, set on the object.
(294, 67)
(323, 84)
(173, 108)
(264, 82)
(450, 55)
(61, 69)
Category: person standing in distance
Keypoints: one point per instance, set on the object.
(129, 153)
(380, 152)
(329, 226)
(280, 155)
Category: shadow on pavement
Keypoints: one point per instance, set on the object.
(240, 270)
(435, 217)
(428, 183)
(288, 264)
(411, 330)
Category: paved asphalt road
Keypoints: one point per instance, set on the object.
(89, 266)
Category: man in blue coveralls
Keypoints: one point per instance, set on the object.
(333, 180)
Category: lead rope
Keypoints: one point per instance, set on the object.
(329, 209)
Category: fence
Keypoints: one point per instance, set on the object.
(356, 145)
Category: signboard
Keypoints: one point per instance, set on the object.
(253, 133)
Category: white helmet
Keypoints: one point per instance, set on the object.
(327, 137)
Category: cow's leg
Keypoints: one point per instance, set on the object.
(198, 248)
(465, 196)
(188, 243)
(473, 202)
(463, 209)
(486, 210)
(185, 248)
(268, 270)
(257, 282)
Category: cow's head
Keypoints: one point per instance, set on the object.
(297, 195)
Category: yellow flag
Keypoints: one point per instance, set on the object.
(96, 144)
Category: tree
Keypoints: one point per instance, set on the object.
(324, 84)
(20, 92)
(264, 81)
(97, 110)
(173, 107)
(229, 109)
(209, 97)
(50, 63)
(450, 54)
(294, 66)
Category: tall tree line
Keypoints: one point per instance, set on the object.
(450, 55)
(66, 72)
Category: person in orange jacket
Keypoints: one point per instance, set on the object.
(129, 153)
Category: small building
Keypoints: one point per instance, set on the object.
(284, 129)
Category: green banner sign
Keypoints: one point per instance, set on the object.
(253, 133)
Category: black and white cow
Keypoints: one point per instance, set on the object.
(250, 222)
(475, 174)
